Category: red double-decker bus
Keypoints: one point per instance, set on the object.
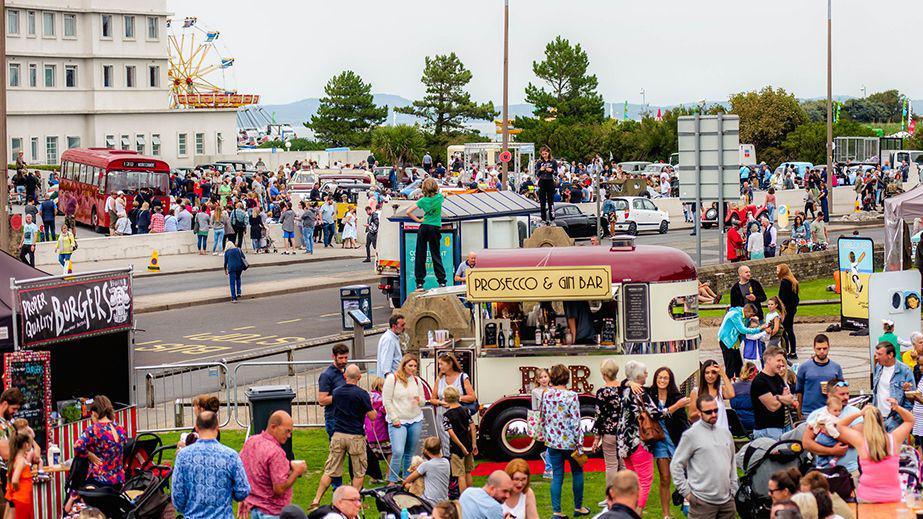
(90, 175)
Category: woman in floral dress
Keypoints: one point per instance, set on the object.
(563, 435)
(103, 443)
(631, 449)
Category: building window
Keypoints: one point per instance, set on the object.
(155, 144)
(107, 25)
(153, 72)
(50, 72)
(219, 143)
(51, 150)
(70, 76)
(33, 75)
(129, 27)
(15, 148)
(126, 143)
(14, 74)
(139, 144)
(153, 28)
(200, 144)
(30, 22)
(73, 142)
(12, 22)
(110, 142)
(181, 145)
(130, 76)
(107, 76)
(70, 25)
(33, 145)
(47, 24)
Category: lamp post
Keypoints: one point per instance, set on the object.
(4, 187)
(643, 100)
(829, 107)
(504, 166)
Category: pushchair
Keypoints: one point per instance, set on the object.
(759, 460)
(267, 245)
(910, 468)
(391, 499)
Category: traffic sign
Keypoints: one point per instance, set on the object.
(16, 222)
(506, 156)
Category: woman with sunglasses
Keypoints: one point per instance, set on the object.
(713, 379)
(784, 484)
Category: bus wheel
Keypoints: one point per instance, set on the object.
(510, 433)
(94, 221)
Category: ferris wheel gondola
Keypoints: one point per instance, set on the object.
(200, 71)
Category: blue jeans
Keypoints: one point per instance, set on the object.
(328, 234)
(557, 457)
(62, 259)
(892, 421)
(772, 432)
(404, 440)
(259, 514)
(219, 240)
(307, 238)
(234, 279)
(202, 242)
(256, 244)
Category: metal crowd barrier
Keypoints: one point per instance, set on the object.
(165, 394)
(302, 376)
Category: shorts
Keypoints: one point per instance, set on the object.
(461, 466)
(342, 444)
(113, 218)
(663, 449)
(288, 234)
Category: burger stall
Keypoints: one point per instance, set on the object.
(626, 302)
(71, 338)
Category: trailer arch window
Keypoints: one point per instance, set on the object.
(684, 308)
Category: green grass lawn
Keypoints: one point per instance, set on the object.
(311, 446)
(807, 291)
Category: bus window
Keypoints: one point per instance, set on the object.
(684, 307)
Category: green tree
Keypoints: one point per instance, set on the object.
(767, 116)
(892, 102)
(915, 142)
(447, 105)
(298, 144)
(398, 145)
(865, 110)
(816, 110)
(571, 95)
(808, 142)
(347, 113)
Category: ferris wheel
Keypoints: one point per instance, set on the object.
(200, 70)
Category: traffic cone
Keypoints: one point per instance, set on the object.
(857, 208)
(154, 264)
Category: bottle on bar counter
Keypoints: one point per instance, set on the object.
(501, 339)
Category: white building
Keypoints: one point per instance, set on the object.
(93, 73)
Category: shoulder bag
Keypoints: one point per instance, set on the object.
(471, 407)
(648, 429)
(243, 260)
(534, 421)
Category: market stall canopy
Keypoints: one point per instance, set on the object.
(900, 211)
(478, 206)
(11, 267)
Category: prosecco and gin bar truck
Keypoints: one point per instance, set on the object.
(534, 308)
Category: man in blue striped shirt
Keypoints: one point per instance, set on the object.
(207, 475)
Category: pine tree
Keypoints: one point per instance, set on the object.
(572, 96)
(347, 114)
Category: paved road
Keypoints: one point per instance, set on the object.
(217, 330)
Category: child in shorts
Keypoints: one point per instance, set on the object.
(463, 434)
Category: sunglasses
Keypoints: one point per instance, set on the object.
(709, 412)
(841, 383)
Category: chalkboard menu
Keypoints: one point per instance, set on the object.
(429, 427)
(30, 372)
(637, 312)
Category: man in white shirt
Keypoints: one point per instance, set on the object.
(389, 347)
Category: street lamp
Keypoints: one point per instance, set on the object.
(504, 165)
(643, 102)
(829, 107)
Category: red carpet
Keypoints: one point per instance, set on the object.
(484, 468)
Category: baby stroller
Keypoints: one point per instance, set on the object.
(268, 245)
(392, 499)
(910, 468)
(759, 460)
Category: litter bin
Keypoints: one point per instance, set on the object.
(355, 297)
(265, 400)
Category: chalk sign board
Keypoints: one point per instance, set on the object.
(429, 428)
(637, 312)
(30, 372)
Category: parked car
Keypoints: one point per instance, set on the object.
(574, 222)
(634, 214)
(634, 167)
(383, 175)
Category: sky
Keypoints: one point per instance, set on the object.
(675, 50)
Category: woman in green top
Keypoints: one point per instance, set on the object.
(429, 233)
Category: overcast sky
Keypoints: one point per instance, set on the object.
(676, 50)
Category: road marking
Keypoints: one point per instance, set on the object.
(147, 342)
(185, 349)
(334, 314)
(243, 328)
(289, 321)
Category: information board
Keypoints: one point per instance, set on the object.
(408, 262)
(709, 156)
(636, 299)
(30, 372)
(585, 283)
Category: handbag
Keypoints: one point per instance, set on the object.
(579, 456)
(471, 407)
(243, 260)
(648, 429)
(534, 422)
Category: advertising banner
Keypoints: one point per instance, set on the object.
(58, 310)
(895, 297)
(855, 255)
(592, 283)
(30, 372)
(446, 251)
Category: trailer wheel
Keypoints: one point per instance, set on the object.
(510, 433)
(587, 420)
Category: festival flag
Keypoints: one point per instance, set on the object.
(659, 116)
(904, 112)
(913, 126)
(625, 111)
(836, 111)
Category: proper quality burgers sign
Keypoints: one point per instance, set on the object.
(58, 310)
